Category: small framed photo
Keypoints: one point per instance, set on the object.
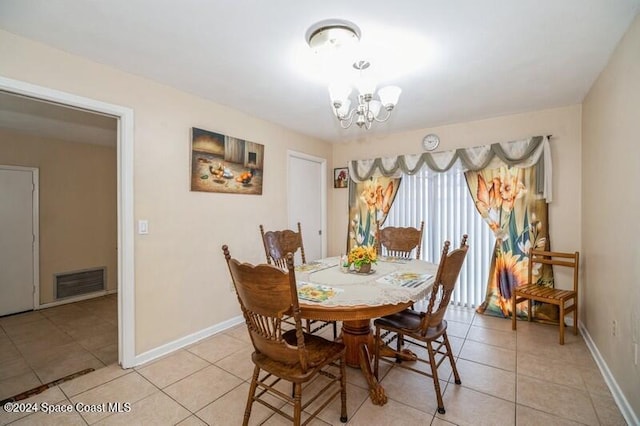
(341, 177)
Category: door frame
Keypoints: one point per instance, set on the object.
(323, 192)
(125, 144)
(35, 224)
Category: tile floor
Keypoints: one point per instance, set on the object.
(42, 346)
(508, 378)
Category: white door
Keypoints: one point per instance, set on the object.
(18, 231)
(306, 200)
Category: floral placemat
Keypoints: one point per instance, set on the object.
(308, 267)
(317, 265)
(404, 278)
(393, 259)
(316, 292)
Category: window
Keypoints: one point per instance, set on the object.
(442, 200)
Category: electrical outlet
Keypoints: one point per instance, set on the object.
(614, 327)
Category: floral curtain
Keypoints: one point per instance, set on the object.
(511, 185)
(369, 203)
(517, 214)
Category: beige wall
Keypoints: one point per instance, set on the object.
(610, 205)
(562, 123)
(78, 220)
(182, 284)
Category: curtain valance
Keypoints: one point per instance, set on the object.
(522, 153)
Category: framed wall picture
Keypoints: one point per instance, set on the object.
(341, 177)
(221, 163)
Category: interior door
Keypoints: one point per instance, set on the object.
(18, 231)
(306, 194)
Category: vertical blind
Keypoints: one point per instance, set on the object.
(442, 200)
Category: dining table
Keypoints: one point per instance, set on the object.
(329, 291)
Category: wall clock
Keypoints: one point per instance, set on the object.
(430, 142)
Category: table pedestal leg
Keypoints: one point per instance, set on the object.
(354, 334)
(358, 340)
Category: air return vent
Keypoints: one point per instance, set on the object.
(77, 283)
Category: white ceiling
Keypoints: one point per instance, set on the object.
(479, 58)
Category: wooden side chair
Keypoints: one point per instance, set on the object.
(534, 291)
(267, 294)
(427, 329)
(277, 244)
(399, 242)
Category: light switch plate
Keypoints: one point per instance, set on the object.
(143, 227)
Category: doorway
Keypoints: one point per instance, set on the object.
(307, 189)
(125, 221)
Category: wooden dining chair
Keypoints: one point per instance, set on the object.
(399, 242)
(427, 329)
(534, 291)
(266, 295)
(277, 244)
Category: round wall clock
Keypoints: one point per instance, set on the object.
(430, 142)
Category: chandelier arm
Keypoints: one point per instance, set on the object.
(382, 120)
(348, 123)
(347, 118)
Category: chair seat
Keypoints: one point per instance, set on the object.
(320, 352)
(408, 322)
(545, 294)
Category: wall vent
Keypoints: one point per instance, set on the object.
(78, 283)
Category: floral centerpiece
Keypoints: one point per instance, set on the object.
(361, 257)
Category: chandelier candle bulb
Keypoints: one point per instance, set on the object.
(339, 93)
(389, 96)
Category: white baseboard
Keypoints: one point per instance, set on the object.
(625, 408)
(185, 341)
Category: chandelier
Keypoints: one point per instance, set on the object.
(334, 35)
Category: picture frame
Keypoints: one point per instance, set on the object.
(341, 177)
(221, 163)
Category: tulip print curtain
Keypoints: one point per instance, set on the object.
(369, 204)
(507, 200)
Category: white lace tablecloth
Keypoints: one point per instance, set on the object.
(353, 289)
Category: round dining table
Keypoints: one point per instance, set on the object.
(327, 291)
